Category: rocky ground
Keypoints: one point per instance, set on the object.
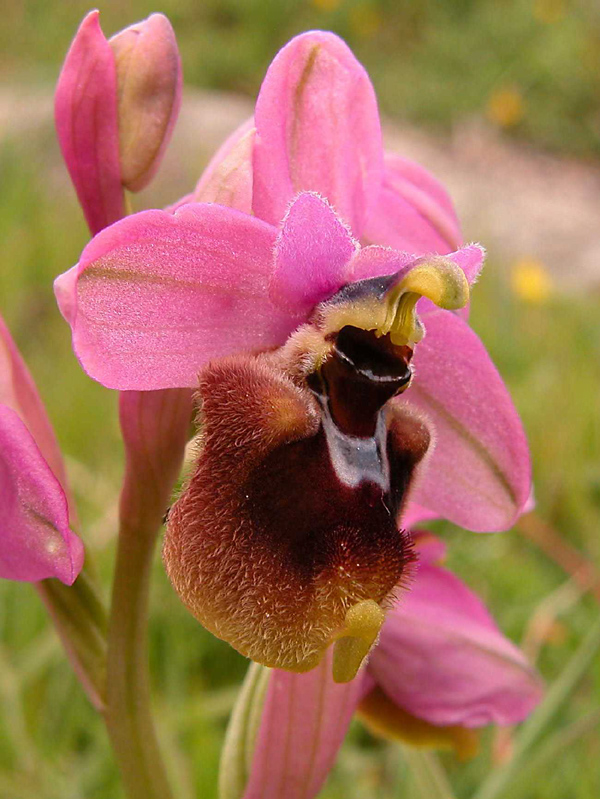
(519, 202)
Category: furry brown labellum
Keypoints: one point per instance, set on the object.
(286, 538)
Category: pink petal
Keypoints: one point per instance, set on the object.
(395, 222)
(429, 548)
(227, 179)
(415, 515)
(35, 539)
(479, 474)
(18, 392)
(470, 259)
(304, 720)
(86, 124)
(414, 212)
(317, 130)
(157, 295)
(442, 658)
(312, 255)
(376, 260)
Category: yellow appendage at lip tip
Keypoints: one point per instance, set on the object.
(354, 642)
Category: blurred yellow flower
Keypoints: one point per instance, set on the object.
(530, 281)
(365, 20)
(326, 5)
(506, 106)
(549, 11)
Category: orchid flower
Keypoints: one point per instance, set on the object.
(440, 671)
(322, 332)
(36, 541)
(158, 295)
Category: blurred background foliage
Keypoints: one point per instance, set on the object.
(531, 68)
(530, 65)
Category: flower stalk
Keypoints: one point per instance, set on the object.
(154, 427)
(80, 619)
(128, 712)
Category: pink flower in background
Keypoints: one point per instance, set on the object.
(440, 671)
(36, 541)
(116, 105)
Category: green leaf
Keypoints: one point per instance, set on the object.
(499, 780)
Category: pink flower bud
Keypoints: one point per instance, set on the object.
(149, 80)
(85, 109)
(115, 106)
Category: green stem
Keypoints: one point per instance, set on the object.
(128, 713)
(154, 426)
(80, 619)
(428, 774)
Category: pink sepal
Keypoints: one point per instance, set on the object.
(86, 124)
(35, 539)
(317, 129)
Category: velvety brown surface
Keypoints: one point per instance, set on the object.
(287, 520)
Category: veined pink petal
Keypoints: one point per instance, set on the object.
(35, 539)
(86, 124)
(442, 658)
(414, 212)
(395, 222)
(318, 130)
(18, 392)
(227, 179)
(304, 720)
(479, 474)
(157, 295)
(312, 255)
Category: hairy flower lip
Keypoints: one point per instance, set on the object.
(436, 688)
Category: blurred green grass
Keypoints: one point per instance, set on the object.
(51, 742)
(433, 61)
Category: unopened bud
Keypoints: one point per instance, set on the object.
(149, 80)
